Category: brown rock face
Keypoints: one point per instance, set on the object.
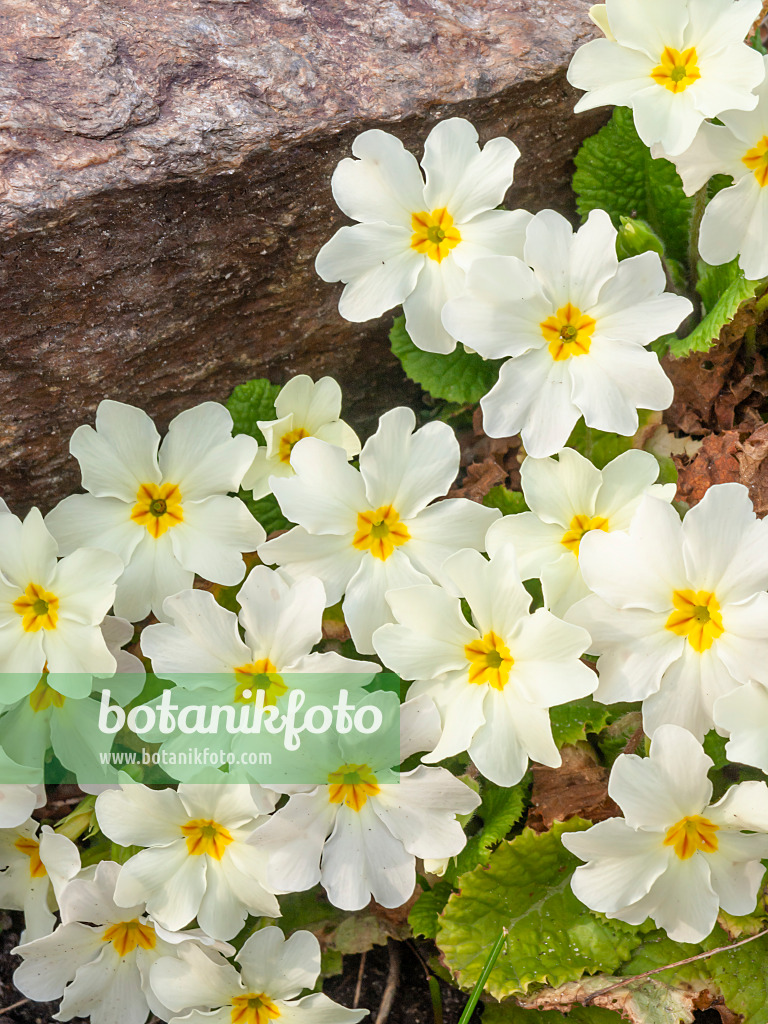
(165, 185)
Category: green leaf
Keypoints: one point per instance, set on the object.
(525, 887)
(267, 511)
(713, 281)
(740, 975)
(427, 908)
(501, 808)
(721, 312)
(616, 172)
(460, 376)
(571, 722)
(510, 502)
(252, 401)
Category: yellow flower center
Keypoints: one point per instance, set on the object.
(690, 834)
(31, 847)
(38, 608)
(677, 70)
(697, 616)
(352, 784)
(253, 1008)
(489, 661)
(44, 696)
(434, 234)
(158, 507)
(380, 532)
(258, 675)
(206, 836)
(569, 332)
(127, 935)
(580, 525)
(756, 160)
(287, 441)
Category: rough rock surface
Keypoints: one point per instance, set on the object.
(164, 187)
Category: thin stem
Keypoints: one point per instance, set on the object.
(699, 205)
(359, 985)
(484, 975)
(14, 1006)
(678, 963)
(393, 978)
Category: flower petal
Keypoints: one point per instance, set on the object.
(533, 397)
(405, 467)
(365, 606)
(461, 177)
(362, 859)
(326, 494)
(444, 528)
(120, 454)
(437, 283)
(330, 558)
(200, 455)
(384, 183)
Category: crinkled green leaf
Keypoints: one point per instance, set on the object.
(460, 376)
(501, 808)
(267, 511)
(723, 310)
(553, 938)
(571, 722)
(740, 975)
(510, 502)
(616, 172)
(427, 908)
(713, 281)
(250, 402)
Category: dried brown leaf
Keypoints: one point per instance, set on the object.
(751, 455)
(479, 479)
(646, 1002)
(579, 787)
(715, 463)
(699, 379)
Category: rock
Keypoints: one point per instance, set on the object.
(164, 188)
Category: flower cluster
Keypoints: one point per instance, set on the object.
(159, 570)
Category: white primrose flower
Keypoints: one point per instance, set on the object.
(363, 533)
(273, 973)
(674, 857)
(575, 323)
(568, 498)
(199, 863)
(100, 956)
(17, 800)
(34, 868)
(304, 409)
(674, 62)
(742, 715)
(47, 718)
(167, 513)
(282, 620)
(50, 611)
(416, 240)
(679, 613)
(360, 836)
(735, 220)
(493, 679)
